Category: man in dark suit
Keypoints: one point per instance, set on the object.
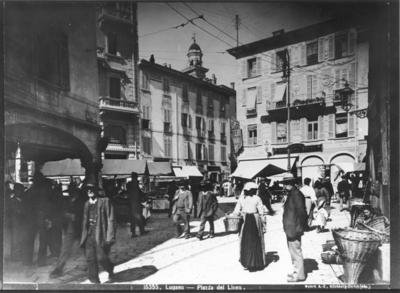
(98, 234)
(294, 225)
(265, 195)
(135, 195)
(208, 205)
(182, 208)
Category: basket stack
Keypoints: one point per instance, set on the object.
(232, 223)
(355, 248)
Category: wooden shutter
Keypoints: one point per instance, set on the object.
(309, 86)
(258, 66)
(273, 132)
(315, 87)
(273, 85)
(321, 47)
(266, 94)
(273, 61)
(303, 54)
(185, 150)
(244, 97)
(352, 40)
(352, 75)
(303, 128)
(352, 122)
(331, 47)
(243, 69)
(337, 81)
(331, 129)
(190, 121)
(321, 127)
(259, 95)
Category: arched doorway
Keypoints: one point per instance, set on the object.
(312, 167)
(340, 164)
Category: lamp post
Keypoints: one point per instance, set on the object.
(286, 73)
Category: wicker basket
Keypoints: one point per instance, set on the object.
(232, 223)
(355, 248)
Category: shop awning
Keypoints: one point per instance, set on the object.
(250, 169)
(67, 167)
(123, 167)
(159, 168)
(187, 171)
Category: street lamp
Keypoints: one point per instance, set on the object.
(344, 95)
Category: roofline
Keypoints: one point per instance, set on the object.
(220, 88)
(292, 37)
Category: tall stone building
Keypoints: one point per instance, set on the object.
(186, 116)
(51, 84)
(117, 55)
(327, 132)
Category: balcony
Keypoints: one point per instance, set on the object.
(223, 138)
(167, 128)
(201, 133)
(118, 105)
(309, 108)
(211, 135)
(187, 131)
(251, 113)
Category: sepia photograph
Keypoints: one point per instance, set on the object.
(200, 145)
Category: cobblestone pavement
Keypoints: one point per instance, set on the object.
(216, 261)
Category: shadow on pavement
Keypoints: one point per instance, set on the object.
(134, 274)
(221, 234)
(271, 256)
(310, 265)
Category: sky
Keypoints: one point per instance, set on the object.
(257, 21)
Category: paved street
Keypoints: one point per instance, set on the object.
(215, 261)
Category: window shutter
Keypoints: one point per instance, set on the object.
(337, 79)
(320, 127)
(314, 86)
(352, 39)
(273, 132)
(244, 97)
(243, 69)
(273, 61)
(344, 77)
(273, 85)
(205, 154)
(204, 124)
(190, 121)
(331, 47)
(303, 128)
(259, 95)
(185, 150)
(352, 75)
(321, 49)
(303, 54)
(265, 61)
(309, 86)
(266, 94)
(331, 130)
(352, 122)
(258, 65)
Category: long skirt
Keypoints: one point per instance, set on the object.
(252, 255)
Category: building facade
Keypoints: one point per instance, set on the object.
(310, 68)
(185, 116)
(117, 56)
(51, 85)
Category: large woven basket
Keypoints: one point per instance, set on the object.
(232, 223)
(355, 248)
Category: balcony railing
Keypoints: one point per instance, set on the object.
(223, 138)
(251, 112)
(187, 131)
(112, 146)
(201, 133)
(211, 135)
(114, 104)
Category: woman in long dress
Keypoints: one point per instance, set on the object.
(250, 207)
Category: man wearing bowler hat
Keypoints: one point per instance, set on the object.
(182, 207)
(294, 224)
(98, 233)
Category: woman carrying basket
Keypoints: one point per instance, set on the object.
(252, 256)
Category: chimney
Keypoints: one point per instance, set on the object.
(278, 32)
(214, 79)
(232, 85)
(152, 60)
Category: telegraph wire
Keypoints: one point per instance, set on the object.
(172, 27)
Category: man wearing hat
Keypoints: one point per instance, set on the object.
(182, 208)
(98, 233)
(294, 224)
(208, 205)
(135, 196)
